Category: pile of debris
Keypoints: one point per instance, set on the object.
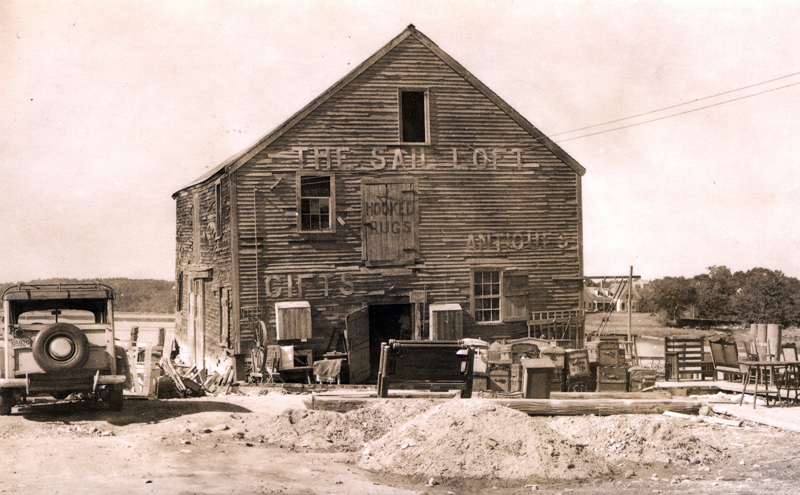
(191, 382)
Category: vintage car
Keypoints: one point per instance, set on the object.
(58, 340)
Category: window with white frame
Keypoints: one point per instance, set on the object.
(413, 116)
(315, 203)
(499, 295)
(486, 295)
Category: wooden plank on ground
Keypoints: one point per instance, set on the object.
(598, 407)
(536, 407)
(611, 395)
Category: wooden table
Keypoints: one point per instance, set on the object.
(789, 369)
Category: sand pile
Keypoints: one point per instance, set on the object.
(477, 439)
(473, 439)
(325, 430)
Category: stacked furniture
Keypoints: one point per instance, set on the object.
(578, 374)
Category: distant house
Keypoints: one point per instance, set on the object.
(408, 201)
(611, 297)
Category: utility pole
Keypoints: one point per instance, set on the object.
(630, 284)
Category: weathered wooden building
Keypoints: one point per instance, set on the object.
(407, 201)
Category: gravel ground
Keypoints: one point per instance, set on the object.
(269, 443)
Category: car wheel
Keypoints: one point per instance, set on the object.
(60, 395)
(61, 347)
(115, 398)
(6, 402)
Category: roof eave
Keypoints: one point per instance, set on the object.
(495, 98)
(236, 161)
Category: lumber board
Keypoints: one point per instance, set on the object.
(775, 417)
(707, 419)
(536, 407)
(598, 407)
(611, 395)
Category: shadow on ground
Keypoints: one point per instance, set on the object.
(134, 411)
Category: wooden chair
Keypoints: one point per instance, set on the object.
(271, 365)
(725, 358)
(789, 379)
(687, 357)
(762, 349)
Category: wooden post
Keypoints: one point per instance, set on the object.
(417, 321)
(630, 283)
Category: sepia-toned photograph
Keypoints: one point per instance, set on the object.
(406, 247)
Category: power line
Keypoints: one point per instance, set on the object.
(674, 114)
(678, 105)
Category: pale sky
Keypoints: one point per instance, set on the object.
(108, 108)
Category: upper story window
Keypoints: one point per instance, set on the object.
(315, 203)
(413, 116)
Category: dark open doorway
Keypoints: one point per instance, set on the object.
(386, 322)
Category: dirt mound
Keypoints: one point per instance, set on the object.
(472, 439)
(325, 430)
(478, 439)
(641, 439)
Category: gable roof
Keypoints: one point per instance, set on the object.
(236, 161)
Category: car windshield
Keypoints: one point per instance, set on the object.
(75, 316)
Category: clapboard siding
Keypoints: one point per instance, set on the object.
(489, 191)
(214, 235)
(540, 197)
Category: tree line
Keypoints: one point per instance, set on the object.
(758, 295)
(133, 295)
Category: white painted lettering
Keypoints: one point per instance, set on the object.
(270, 292)
(325, 277)
(347, 288)
(398, 159)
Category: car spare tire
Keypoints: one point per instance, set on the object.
(61, 347)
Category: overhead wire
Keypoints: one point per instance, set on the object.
(676, 106)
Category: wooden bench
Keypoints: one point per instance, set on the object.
(432, 365)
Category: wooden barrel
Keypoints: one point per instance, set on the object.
(774, 339)
(761, 335)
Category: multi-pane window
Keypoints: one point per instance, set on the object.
(486, 295)
(315, 203)
(500, 295)
(413, 116)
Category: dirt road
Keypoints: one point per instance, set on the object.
(271, 444)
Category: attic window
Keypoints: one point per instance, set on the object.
(414, 116)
